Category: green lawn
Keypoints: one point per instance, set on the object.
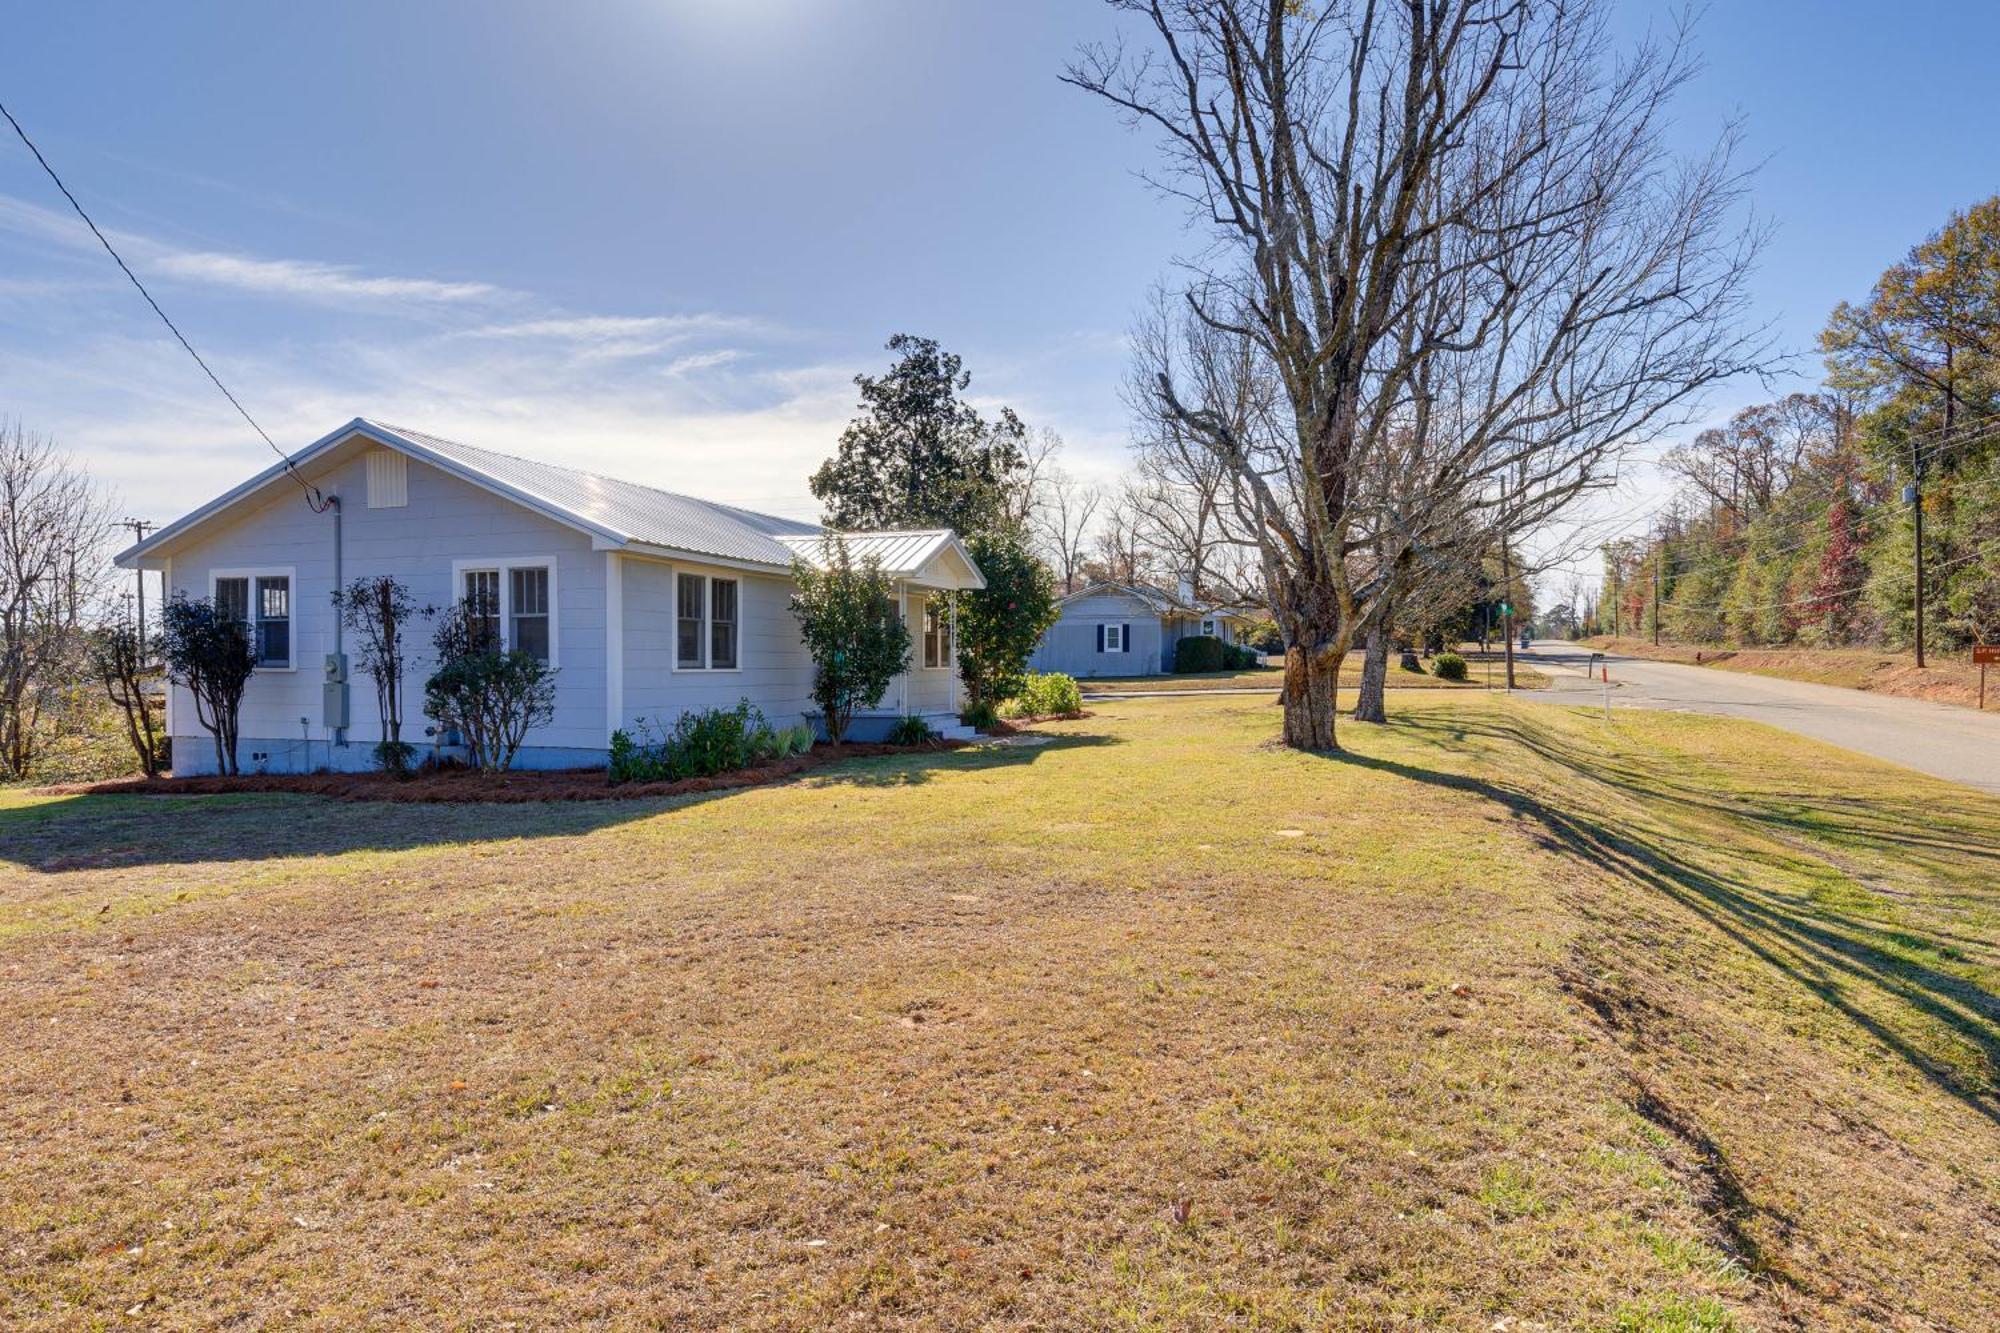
(1511, 1017)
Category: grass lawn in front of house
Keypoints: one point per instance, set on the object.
(1140, 1021)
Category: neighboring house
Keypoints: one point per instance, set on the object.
(647, 603)
(1119, 629)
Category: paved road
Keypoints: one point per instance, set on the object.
(1940, 739)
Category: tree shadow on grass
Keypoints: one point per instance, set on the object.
(1841, 958)
(72, 834)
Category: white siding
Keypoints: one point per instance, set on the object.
(775, 672)
(443, 520)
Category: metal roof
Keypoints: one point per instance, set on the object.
(632, 512)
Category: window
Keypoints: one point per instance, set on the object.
(512, 603)
(528, 612)
(232, 599)
(706, 623)
(261, 602)
(691, 608)
(1208, 628)
(1111, 638)
(274, 621)
(722, 623)
(937, 635)
(482, 604)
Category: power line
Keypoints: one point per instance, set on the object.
(313, 497)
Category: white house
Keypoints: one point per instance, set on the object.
(1119, 629)
(646, 602)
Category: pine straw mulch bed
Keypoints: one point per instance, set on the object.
(467, 786)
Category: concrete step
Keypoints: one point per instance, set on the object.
(956, 732)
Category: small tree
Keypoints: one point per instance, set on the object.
(208, 653)
(490, 696)
(118, 655)
(847, 616)
(999, 626)
(1837, 588)
(375, 609)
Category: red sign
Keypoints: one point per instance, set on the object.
(1986, 654)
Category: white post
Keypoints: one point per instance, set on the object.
(952, 657)
(614, 643)
(903, 609)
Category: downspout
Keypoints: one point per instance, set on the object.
(339, 633)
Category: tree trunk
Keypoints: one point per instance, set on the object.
(1371, 706)
(1311, 676)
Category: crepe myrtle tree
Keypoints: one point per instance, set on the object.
(847, 617)
(490, 695)
(208, 653)
(1453, 244)
(376, 609)
(119, 657)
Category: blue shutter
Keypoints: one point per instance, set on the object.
(1100, 638)
(1124, 638)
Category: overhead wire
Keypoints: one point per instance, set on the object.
(314, 498)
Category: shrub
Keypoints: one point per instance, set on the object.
(1236, 657)
(981, 715)
(397, 757)
(702, 743)
(1046, 694)
(847, 617)
(999, 625)
(1448, 666)
(208, 653)
(490, 696)
(1198, 652)
(911, 731)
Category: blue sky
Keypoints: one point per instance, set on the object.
(658, 237)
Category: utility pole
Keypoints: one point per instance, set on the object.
(139, 527)
(1658, 554)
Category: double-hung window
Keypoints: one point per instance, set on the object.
(1112, 638)
(937, 635)
(707, 623)
(511, 604)
(482, 605)
(528, 611)
(262, 604)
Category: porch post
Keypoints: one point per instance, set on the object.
(903, 610)
(953, 662)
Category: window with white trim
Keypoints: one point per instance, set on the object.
(481, 595)
(262, 604)
(937, 635)
(1114, 639)
(528, 611)
(511, 604)
(707, 623)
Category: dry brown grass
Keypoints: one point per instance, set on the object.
(1511, 1016)
(1946, 678)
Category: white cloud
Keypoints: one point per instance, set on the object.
(293, 277)
(297, 278)
(607, 328)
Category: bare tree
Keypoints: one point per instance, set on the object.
(1119, 553)
(1451, 232)
(53, 525)
(1061, 523)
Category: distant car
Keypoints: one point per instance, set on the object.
(1526, 640)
